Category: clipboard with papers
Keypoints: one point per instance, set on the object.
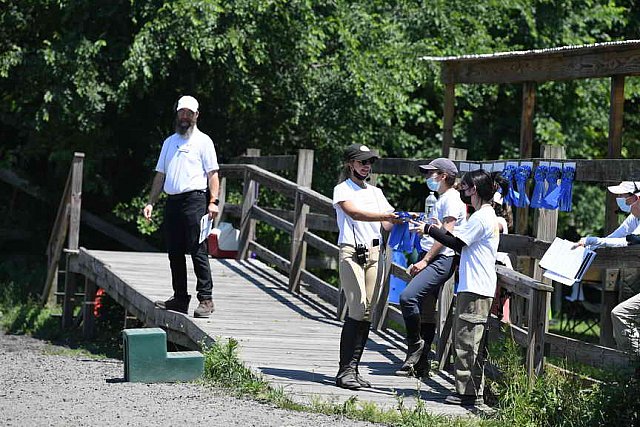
(565, 264)
(206, 225)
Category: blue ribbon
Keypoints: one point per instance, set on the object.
(512, 196)
(550, 201)
(523, 172)
(566, 188)
(401, 238)
(538, 191)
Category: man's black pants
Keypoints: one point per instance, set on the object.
(182, 227)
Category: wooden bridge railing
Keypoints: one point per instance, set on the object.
(306, 199)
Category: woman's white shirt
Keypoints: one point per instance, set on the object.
(477, 271)
(448, 205)
(369, 199)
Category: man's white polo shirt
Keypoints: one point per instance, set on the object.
(186, 161)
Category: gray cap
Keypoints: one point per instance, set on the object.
(440, 164)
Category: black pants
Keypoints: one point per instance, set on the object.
(182, 226)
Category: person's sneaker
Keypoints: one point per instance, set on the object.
(464, 400)
(205, 308)
(175, 304)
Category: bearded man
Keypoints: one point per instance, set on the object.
(186, 168)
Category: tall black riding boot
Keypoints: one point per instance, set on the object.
(346, 377)
(361, 342)
(427, 332)
(415, 345)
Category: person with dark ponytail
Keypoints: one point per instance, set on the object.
(360, 211)
(477, 243)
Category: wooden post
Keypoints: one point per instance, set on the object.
(88, 317)
(609, 301)
(73, 238)
(609, 291)
(447, 121)
(301, 210)
(446, 297)
(222, 196)
(526, 144)
(535, 336)
(616, 113)
(247, 224)
(546, 228)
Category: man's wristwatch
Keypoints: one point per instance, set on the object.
(215, 202)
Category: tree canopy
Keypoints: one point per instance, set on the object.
(103, 78)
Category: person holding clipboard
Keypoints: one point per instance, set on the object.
(477, 243)
(626, 315)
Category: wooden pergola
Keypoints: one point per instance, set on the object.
(614, 60)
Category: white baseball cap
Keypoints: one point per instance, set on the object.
(188, 102)
(625, 187)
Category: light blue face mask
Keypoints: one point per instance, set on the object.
(622, 204)
(433, 184)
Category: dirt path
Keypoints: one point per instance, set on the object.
(38, 387)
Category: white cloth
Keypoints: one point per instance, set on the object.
(617, 239)
(503, 257)
(448, 205)
(185, 162)
(478, 258)
(369, 199)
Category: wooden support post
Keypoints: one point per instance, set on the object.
(89, 319)
(73, 238)
(222, 196)
(546, 228)
(535, 336)
(616, 113)
(610, 295)
(526, 144)
(247, 223)
(609, 291)
(447, 122)
(298, 245)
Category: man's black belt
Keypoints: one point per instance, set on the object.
(185, 194)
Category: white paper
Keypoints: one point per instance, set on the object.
(570, 164)
(488, 167)
(558, 278)
(563, 261)
(464, 167)
(206, 225)
(474, 166)
(556, 164)
(498, 167)
(547, 164)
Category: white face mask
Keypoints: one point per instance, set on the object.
(622, 204)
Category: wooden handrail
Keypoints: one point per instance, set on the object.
(67, 219)
(587, 170)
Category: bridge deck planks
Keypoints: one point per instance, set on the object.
(291, 339)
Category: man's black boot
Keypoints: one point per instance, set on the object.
(180, 304)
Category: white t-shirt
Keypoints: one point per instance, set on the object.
(478, 259)
(448, 205)
(369, 199)
(186, 162)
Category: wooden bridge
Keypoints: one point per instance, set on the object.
(287, 319)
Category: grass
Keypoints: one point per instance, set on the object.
(554, 399)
